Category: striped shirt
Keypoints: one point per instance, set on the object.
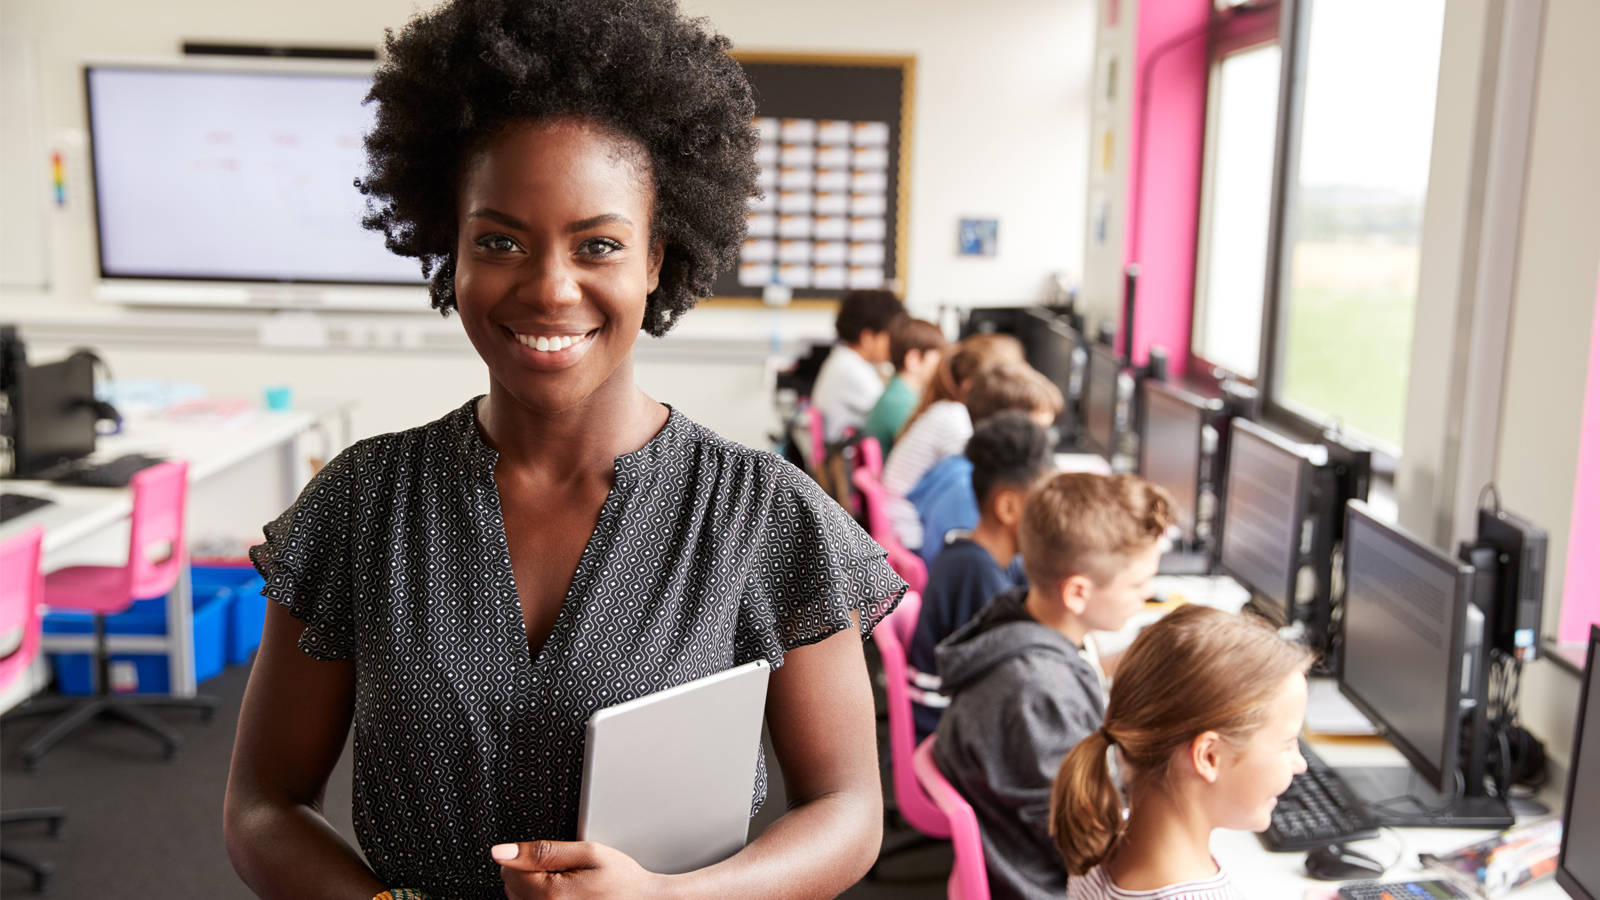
(1097, 886)
(942, 430)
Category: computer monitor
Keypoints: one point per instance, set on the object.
(242, 173)
(1577, 867)
(1264, 506)
(1406, 606)
(53, 414)
(991, 320)
(1171, 447)
(1100, 401)
(1051, 346)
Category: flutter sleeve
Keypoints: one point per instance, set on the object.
(812, 567)
(307, 559)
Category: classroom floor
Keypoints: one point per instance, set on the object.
(138, 826)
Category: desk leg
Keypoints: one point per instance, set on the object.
(180, 634)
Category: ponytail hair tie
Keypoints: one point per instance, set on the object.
(1107, 735)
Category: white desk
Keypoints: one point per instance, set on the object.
(81, 520)
(1262, 874)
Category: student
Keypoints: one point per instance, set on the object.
(1024, 682)
(915, 347)
(943, 498)
(848, 384)
(940, 425)
(1008, 384)
(1008, 453)
(1205, 717)
(467, 593)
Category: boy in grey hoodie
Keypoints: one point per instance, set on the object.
(1024, 680)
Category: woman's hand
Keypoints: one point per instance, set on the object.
(534, 870)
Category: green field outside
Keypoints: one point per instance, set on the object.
(1348, 352)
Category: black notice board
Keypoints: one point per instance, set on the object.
(836, 88)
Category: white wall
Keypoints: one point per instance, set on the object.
(1532, 453)
(1548, 345)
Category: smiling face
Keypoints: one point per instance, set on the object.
(554, 261)
(1250, 777)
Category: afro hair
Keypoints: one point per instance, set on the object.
(455, 76)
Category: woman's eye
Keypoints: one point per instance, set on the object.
(498, 243)
(599, 247)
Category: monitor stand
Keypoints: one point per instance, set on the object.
(1399, 797)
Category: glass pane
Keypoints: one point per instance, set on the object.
(1371, 75)
(1227, 329)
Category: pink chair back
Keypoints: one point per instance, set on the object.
(869, 456)
(819, 437)
(909, 565)
(893, 636)
(155, 552)
(969, 876)
(21, 593)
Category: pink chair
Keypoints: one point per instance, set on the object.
(21, 592)
(869, 456)
(909, 565)
(893, 637)
(155, 559)
(969, 877)
(819, 436)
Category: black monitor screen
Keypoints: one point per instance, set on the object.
(1403, 607)
(1579, 873)
(1262, 510)
(1169, 449)
(55, 419)
(1100, 400)
(1049, 343)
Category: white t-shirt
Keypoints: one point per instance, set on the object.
(846, 389)
(942, 430)
(1096, 885)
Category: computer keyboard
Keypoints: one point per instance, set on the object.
(111, 473)
(13, 505)
(1317, 809)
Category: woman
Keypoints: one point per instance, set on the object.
(469, 592)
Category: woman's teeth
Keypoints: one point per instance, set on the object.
(548, 344)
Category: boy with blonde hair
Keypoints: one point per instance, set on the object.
(1024, 682)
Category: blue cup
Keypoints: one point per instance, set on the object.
(280, 397)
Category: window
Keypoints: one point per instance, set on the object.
(1348, 285)
(1235, 210)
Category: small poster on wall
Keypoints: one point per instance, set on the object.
(978, 237)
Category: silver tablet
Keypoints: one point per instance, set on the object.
(668, 777)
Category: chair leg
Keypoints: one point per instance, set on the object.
(39, 870)
(40, 706)
(149, 724)
(206, 703)
(52, 816)
(83, 712)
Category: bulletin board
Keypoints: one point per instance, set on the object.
(835, 158)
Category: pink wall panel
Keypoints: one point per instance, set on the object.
(1164, 208)
(1580, 601)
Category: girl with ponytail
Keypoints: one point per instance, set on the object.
(1204, 719)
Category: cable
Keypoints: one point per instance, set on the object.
(1493, 491)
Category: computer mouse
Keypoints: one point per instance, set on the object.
(1338, 862)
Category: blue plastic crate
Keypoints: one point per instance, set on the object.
(247, 609)
(75, 671)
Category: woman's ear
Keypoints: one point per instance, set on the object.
(1205, 755)
(658, 251)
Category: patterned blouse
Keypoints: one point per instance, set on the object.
(706, 555)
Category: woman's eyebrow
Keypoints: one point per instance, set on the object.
(572, 227)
